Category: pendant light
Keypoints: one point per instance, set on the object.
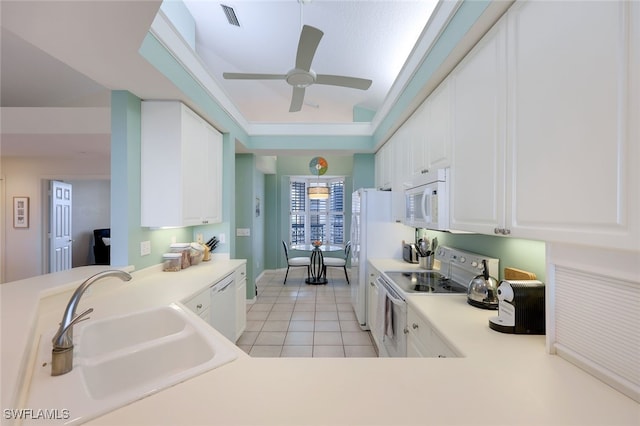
(318, 166)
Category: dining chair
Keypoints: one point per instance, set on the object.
(295, 261)
(338, 262)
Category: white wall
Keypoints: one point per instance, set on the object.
(24, 253)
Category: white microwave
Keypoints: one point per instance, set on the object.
(427, 202)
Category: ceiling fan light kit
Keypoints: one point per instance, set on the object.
(302, 76)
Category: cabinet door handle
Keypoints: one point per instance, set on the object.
(415, 326)
(199, 306)
(371, 284)
(503, 231)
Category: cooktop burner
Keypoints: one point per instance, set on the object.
(425, 282)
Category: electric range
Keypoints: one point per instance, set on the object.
(425, 282)
(457, 269)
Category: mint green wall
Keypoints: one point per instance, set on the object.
(512, 252)
(250, 184)
(364, 171)
(272, 214)
(361, 114)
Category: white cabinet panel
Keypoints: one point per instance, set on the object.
(383, 164)
(372, 304)
(423, 340)
(181, 167)
(573, 95)
(545, 129)
(438, 127)
(401, 148)
(240, 277)
(415, 129)
(477, 174)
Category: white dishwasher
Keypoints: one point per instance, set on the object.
(223, 307)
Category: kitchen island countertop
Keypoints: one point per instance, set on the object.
(501, 379)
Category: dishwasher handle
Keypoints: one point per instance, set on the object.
(222, 285)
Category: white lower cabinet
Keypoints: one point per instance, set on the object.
(240, 277)
(222, 304)
(423, 341)
(372, 304)
(200, 304)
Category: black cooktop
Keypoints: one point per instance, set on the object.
(425, 282)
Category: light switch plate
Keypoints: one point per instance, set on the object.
(243, 232)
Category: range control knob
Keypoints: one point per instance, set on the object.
(463, 259)
(474, 263)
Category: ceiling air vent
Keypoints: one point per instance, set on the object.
(231, 15)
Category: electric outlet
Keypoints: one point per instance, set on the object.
(145, 248)
(222, 239)
(199, 238)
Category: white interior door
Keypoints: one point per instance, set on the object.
(60, 242)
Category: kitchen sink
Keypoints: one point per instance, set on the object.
(113, 334)
(121, 359)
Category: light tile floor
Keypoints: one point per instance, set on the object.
(302, 320)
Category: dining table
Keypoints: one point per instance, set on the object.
(317, 260)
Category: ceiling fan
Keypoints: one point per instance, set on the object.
(302, 76)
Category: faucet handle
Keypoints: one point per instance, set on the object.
(80, 317)
(63, 330)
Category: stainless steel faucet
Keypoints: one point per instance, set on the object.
(62, 353)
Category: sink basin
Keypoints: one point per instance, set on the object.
(121, 359)
(112, 334)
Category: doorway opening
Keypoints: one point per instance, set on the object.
(90, 210)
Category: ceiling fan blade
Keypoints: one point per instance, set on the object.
(309, 40)
(296, 99)
(245, 76)
(340, 80)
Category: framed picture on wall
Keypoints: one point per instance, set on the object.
(20, 212)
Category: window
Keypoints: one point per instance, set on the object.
(312, 220)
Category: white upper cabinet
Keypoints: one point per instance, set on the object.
(477, 172)
(417, 137)
(181, 167)
(438, 127)
(383, 164)
(546, 130)
(573, 122)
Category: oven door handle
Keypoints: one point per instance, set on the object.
(391, 293)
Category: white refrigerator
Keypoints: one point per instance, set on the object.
(374, 234)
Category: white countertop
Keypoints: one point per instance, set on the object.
(502, 379)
